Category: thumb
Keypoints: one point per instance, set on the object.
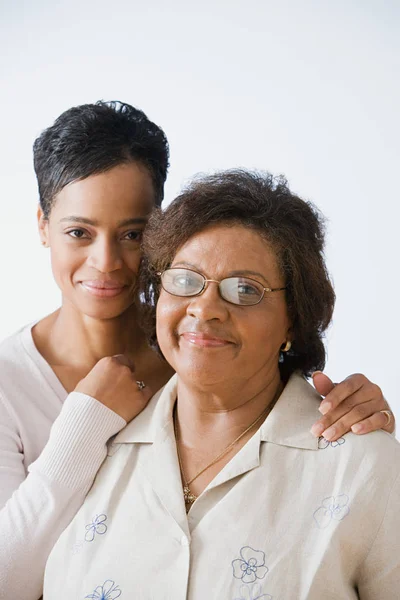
(322, 383)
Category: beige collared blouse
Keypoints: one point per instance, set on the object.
(290, 517)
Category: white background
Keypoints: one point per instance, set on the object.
(307, 89)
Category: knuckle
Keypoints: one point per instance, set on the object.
(349, 404)
(355, 382)
(360, 412)
(340, 428)
(344, 389)
(124, 371)
(358, 377)
(376, 391)
(376, 421)
(353, 385)
(344, 426)
(327, 420)
(107, 362)
(363, 381)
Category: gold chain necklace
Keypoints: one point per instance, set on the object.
(187, 494)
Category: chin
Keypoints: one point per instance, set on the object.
(104, 311)
(204, 374)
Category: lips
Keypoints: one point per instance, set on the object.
(205, 340)
(103, 289)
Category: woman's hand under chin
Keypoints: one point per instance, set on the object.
(355, 404)
(112, 382)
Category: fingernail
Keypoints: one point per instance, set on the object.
(316, 373)
(329, 433)
(325, 407)
(317, 429)
(357, 428)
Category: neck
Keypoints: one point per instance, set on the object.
(70, 338)
(206, 415)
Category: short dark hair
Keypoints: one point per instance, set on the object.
(293, 227)
(92, 138)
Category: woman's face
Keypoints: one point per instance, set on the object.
(94, 232)
(205, 338)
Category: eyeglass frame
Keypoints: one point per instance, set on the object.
(205, 281)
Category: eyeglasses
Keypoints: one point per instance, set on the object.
(241, 291)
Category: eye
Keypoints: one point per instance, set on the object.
(246, 288)
(184, 280)
(240, 290)
(134, 236)
(77, 233)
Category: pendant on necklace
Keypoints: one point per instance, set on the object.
(189, 497)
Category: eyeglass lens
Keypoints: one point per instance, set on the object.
(237, 290)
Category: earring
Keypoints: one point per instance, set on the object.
(287, 347)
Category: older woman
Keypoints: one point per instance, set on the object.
(218, 489)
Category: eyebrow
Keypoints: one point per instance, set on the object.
(124, 223)
(244, 273)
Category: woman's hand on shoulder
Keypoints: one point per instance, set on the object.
(112, 382)
(355, 404)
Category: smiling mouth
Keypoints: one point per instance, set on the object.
(103, 289)
(202, 340)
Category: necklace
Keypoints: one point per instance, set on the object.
(189, 497)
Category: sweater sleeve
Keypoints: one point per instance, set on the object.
(12, 470)
(45, 502)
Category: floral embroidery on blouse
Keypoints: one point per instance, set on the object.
(333, 508)
(96, 526)
(323, 443)
(250, 566)
(252, 593)
(107, 591)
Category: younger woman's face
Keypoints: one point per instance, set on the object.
(94, 233)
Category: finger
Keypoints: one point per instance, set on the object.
(142, 396)
(345, 389)
(354, 404)
(124, 360)
(322, 383)
(146, 393)
(389, 427)
(344, 424)
(376, 421)
(141, 385)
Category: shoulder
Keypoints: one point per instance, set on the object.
(13, 357)
(374, 447)
(368, 465)
(378, 449)
(18, 374)
(12, 348)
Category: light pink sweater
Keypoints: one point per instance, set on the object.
(51, 447)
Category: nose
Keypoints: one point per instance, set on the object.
(208, 305)
(105, 256)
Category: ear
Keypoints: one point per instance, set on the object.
(43, 225)
(289, 334)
